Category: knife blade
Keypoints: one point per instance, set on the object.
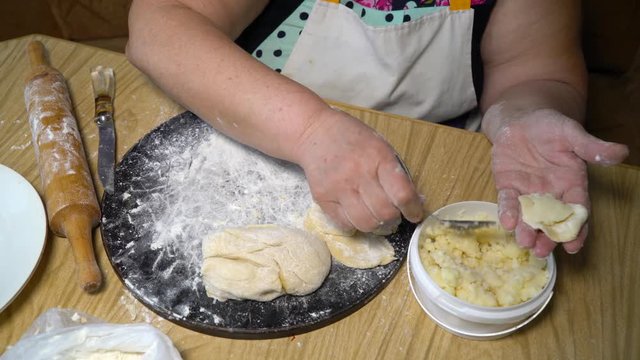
(103, 81)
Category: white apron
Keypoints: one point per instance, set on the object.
(420, 69)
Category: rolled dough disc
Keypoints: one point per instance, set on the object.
(356, 249)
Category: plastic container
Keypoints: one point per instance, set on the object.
(458, 316)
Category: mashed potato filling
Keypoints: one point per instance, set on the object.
(482, 266)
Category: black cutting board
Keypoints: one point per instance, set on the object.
(166, 280)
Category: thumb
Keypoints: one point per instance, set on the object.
(592, 149)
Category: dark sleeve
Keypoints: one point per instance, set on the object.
(480, 21)
(273, 15)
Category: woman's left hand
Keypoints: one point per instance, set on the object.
(543, 151)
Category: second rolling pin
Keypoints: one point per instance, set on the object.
(70, 198)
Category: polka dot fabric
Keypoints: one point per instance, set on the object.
(276, 48)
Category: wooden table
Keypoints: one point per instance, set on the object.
(594, 313)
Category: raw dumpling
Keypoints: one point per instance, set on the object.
(560, 221)
(262, 262)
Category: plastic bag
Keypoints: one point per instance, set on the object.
(68, 334)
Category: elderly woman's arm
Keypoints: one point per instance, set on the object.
(187, 48)
(533, 103)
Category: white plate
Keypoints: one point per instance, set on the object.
(23, 230)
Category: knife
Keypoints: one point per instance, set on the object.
(103, 81)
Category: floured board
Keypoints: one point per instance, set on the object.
(183, 181)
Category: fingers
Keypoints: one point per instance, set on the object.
(508, 208)
(577, 195)
(378, 203)
(368, 210)
(540, 243)
(400, 190)
(544, 246)
(336, 213)
(525, 236)
(351, 214)
(537, 241)
(357, 213)
(572, 247)
(592, 149)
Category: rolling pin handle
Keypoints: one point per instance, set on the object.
(78, 229)
(36, 53)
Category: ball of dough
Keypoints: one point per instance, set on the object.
(353, 249)
(262, 262)
(560, 221)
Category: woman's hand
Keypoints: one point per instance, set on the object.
(354, 174)
(543, 151)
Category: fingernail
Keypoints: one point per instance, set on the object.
(536, 252)
(523, 244)
(601, 160)
(573, 252)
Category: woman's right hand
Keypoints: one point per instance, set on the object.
(355, 175)
(185, 46)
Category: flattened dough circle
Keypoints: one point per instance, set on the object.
(356, 249)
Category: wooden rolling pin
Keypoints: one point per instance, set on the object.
(70, 198)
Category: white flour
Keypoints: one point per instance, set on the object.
(21, 147)
(213, 185)
(47, 98)
(137, 312)
(186, 181)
